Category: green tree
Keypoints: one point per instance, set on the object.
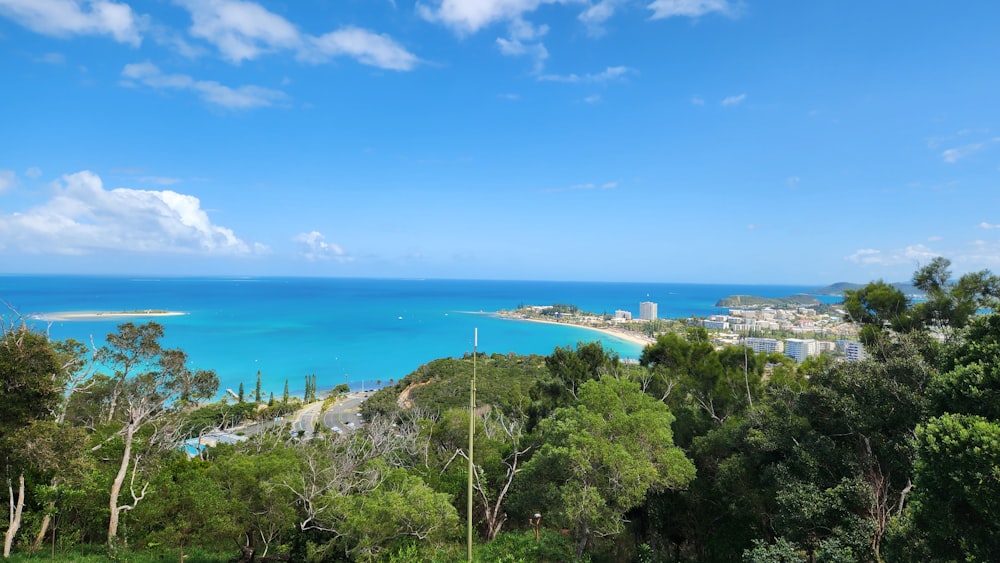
(877, 306)
(29, 379)
(952, 304)
(257, 390)
(285, 397)
(240, 395)
(600, 458)
(956, 503)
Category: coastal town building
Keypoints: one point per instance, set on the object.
(623, 315)
(800, 348)
(764, 344)
(853, 350)
(647, 311)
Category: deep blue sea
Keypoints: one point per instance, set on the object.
(345, 330)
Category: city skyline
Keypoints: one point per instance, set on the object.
(705, 141)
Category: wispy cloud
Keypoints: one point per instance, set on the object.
(82, 217)
(67, 18)
(697, 101)
(8, 179)
(525, 39)
(364, 46)
(583, 187)
(793, 182)
(955, 154)
(985, 225)
(733, 100)
(34, 172)
(663, 9)
(910, 254)
(608, 74)
(160, 180)
(592, 99)
(597, 14)
(315, 248)
(509, 97)
(239, 98)
(243, 31)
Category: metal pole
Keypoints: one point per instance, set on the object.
(472, 429)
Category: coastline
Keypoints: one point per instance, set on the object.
(624, 335)
(100, 315)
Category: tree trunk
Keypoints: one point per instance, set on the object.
(44, 528)
(116, 486)
(581, 544)
(15, 514)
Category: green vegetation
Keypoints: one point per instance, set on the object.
(752, 301)
(696, 454)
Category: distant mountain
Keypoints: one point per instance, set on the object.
(838, 288)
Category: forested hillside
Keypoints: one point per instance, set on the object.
(696, 454)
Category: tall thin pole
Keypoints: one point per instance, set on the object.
(472, 429)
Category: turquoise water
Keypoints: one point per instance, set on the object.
(359, 331)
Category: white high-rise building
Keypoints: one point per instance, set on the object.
(800, 348)
(853, 350)
(763, 344)
(647, 310)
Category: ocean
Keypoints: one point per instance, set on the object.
(364, 332)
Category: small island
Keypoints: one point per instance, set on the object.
(104, 315)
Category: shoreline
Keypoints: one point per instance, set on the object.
(100, 315)
(621, 334)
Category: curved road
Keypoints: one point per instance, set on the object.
(337, 416)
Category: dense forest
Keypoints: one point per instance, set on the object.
(697, 453)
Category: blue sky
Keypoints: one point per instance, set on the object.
(649, 140)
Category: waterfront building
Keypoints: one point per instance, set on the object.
(800, 348)
(647, 311)
(623, 315)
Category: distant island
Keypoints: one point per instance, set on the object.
(753, 301)
(839, 288)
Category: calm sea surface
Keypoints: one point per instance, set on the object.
(346, 330)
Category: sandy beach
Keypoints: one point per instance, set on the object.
(624, 335)
(103, 315)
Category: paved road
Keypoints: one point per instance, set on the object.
(345, 411)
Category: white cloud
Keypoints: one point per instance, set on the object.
(697, 101)
(610, 73)
(242, 97)
(83, 217)
(595, 16)
(469, 16)
(34, 172)
(688, 8)
(240, 30)
(609, 185)
(592, 99)
(733, 100)
(509, 97)
(243, 31)
(985, 225)
(315, 247)
(8, 179)
(65, 18)
(364, 46)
